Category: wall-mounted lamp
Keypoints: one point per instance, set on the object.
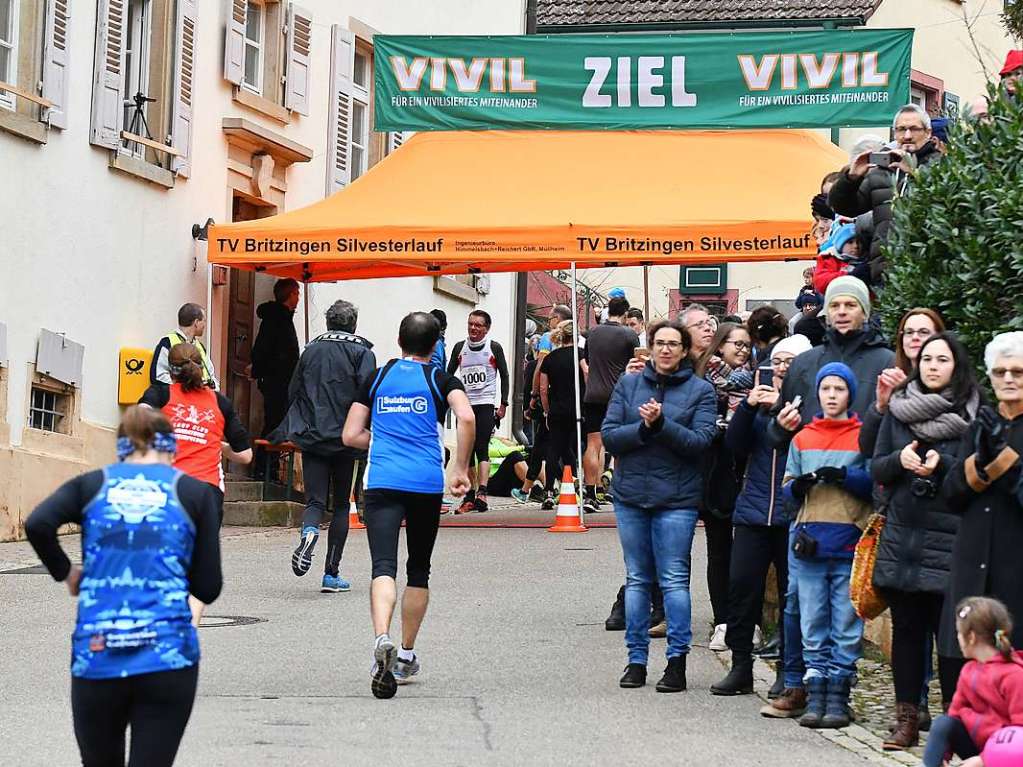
(200, 235)
(202, 232)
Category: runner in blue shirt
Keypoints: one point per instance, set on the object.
(399, 418)
(149, 539)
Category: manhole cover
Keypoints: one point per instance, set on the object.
(216, 621)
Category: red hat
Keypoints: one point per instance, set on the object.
(1013, 61)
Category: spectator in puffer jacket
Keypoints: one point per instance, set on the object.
(864, 188)
(989, 695)
(760, 518)
(840, 254)
(658, 424)
(827, 477)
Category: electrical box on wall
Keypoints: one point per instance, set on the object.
(133, 374)
(60, 358)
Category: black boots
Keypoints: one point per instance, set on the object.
(836, 714)
(739, 680)
(772, 649)
(634, 676)
(616, 620)
(817, 692)
(674, 679)
(779, 685)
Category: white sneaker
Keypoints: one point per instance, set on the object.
(717, 638)
(758, 638)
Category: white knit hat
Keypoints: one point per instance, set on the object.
(796, 345)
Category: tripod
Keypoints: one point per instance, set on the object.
(138, 124)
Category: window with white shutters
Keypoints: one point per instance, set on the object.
(339, 122)
(234, 42)
(8, 50)
(56, 61)
(299, 45)
(107, 98)
(185, 33)
(255, 35)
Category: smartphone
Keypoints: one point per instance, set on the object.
(797, 401)
(765, 376)
(881, 159)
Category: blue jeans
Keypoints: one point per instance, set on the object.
(832, 631)
(948, 734)
(657, 545)
(792, 660)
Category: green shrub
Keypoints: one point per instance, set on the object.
(957, 238)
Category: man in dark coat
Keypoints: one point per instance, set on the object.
(275, 351)
(864, 188)
(326, 382)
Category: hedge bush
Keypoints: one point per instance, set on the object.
(957, 238)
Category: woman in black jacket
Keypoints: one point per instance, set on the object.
(927, 417)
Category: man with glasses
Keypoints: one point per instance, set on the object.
(867, 186)
(479, 361)
(701, 327)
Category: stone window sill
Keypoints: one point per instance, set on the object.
(146, 171)
(455, 289)
(22, 126)
(261, 105)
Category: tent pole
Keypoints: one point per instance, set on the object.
(646, 294)
(305, 308)
(578, 394)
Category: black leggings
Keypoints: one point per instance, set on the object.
(915, 616)
(754, 549)
(156, 706)
(561, 449)
(320, 472)
(485, 416)
(538, 450)
(385, 510)
(719, 556)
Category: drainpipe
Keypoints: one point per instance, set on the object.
(836, 133)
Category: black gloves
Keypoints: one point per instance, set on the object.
(992, 436)
(831, 475)
(801, 484)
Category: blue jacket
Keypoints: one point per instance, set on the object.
(760, 500)
(439, 358)
(660, 467)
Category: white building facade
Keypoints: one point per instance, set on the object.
(259, 106)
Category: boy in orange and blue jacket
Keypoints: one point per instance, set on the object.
(827, 477)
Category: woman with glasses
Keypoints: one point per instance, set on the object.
(761, 519)
(920, 434)
(984, 487)
(725, 364)
(659, 422)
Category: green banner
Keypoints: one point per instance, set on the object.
(623, 82)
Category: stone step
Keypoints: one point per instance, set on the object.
(243, 490)
(263, 513)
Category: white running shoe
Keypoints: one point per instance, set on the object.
(404, 670)
(717, 638)
(758, 638)
(385, 654)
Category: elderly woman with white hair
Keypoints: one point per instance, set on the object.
(984, 486)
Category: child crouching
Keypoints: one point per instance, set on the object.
(827, 477)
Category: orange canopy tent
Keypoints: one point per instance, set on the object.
(494, 201)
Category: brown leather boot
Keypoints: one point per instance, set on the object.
(907, 728)
(789, 705)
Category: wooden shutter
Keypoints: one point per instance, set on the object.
(108, 79)
(55, 61)
(185, 48)
(339, 123)
(296, 84)
(394, 140)
(234, 42)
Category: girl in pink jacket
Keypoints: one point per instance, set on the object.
(989, 694)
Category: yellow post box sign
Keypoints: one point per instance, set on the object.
(133, 374)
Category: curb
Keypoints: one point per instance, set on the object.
(854, 738)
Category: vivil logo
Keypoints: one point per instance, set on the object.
(502, 75)
(853, 69)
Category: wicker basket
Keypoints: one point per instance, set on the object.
(865, 598)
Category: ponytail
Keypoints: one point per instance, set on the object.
(1003, 644)
(186, 366)
(141, 429)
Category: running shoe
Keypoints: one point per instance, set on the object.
(536, 493)
(383, 682)
(404, 670)
(332, 584)
(590, 505)
(549, 503)
(302, 559)
(468, 506)
(717, 638)
(519, 496)
(481, 503)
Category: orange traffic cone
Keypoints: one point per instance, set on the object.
(567, 520)
(353, 514)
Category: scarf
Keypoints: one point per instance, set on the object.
(731, 385)
(931, 417)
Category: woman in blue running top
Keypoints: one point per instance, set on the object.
(149, 539)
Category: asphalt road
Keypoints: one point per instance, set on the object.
(517, 667)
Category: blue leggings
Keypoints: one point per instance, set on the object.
(948, 734)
